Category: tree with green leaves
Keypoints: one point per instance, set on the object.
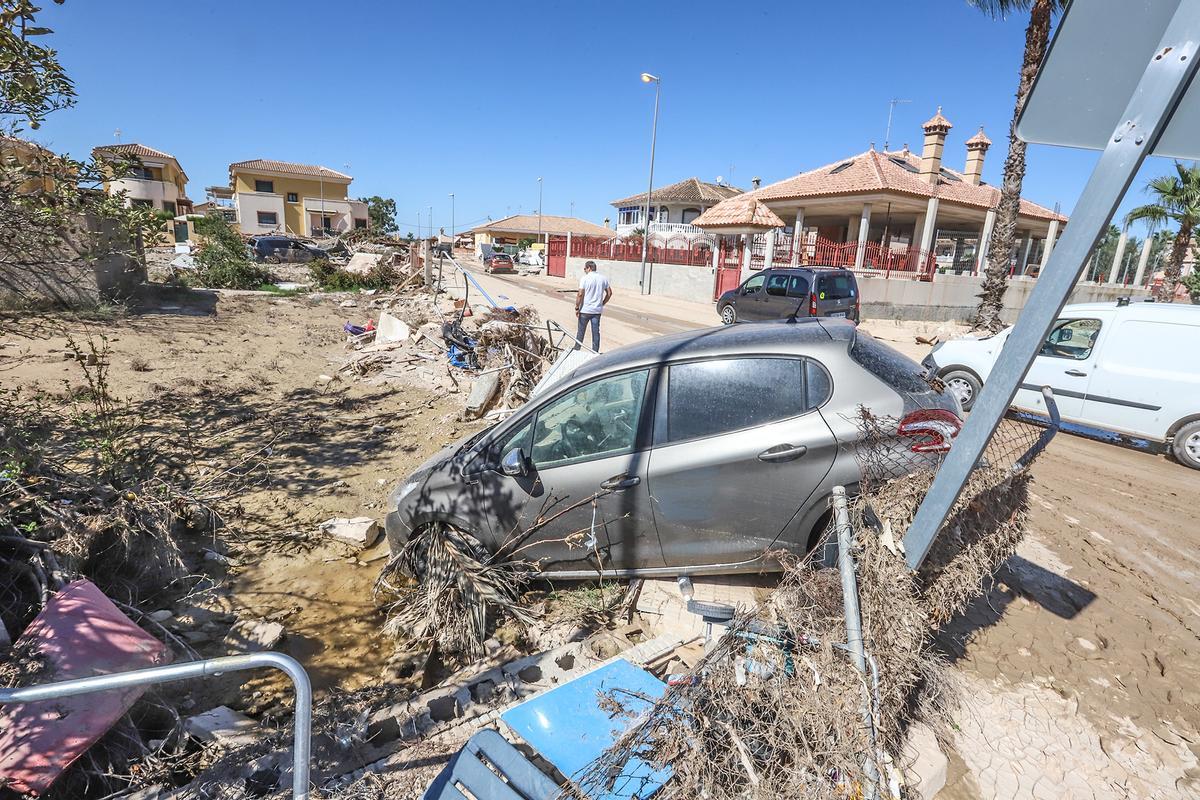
(32, 82)
(1002, 248)
(382, 213)
(1176, 200)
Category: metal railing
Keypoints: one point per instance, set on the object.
(212, 667)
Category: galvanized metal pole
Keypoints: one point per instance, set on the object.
(1147, 113)
(302, 725)
(650, 186)
(854, 634)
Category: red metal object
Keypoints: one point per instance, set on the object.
(729, 265)
(933, 429)
(80, 633)
(556, 257)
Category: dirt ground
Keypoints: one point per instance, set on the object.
(246, 370)
(1080, 667)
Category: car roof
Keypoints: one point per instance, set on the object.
(1179, 312)
(782, 337)
(812, 270)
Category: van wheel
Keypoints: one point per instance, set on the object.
(963, 385)
(272, 259)
(728, 315)
(1186, 445)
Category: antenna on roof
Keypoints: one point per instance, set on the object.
(887, 137)
(719, 180)
(117, 135)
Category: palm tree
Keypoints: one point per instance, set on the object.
(1002, 247)
(1177, 199)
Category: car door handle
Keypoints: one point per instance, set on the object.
(1077, 373)
(783, 452)
(619, 482)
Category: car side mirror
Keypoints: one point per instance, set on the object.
(514, 463)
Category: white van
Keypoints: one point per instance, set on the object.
(1131, 369)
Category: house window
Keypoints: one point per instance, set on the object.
(169, 205)
(630, 215)
(139, 203)
(268, 218)
(141, 173)
(689, 214)
(264, 186)
(360, 223)
(293, 197)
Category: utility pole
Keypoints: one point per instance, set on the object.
(648, 78)
(452, 220)
(539, 209)
(431, 233)
(887, 136)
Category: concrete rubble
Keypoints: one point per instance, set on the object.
(360, 532)
(223, 726)
(254, 636)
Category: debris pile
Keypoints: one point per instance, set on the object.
(776, 708)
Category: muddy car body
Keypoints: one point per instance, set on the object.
(692, 453)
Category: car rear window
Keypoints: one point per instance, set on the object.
(709, 398)
(835, 287)
(896, 370)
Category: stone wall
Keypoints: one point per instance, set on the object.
(92, 266)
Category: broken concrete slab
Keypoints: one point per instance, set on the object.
(361, 532)
(483, 391)
(254, 636)
(221, 725)
(361, 263)
(391, 328)
(184, 261)
(924, 761)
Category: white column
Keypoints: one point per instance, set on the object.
(1051, 238)
(864, 228)
(769, 254)
(747, 238)
(564, 259)
(797, 235)
(930, 226)
(1025, 254)
(985, 240)
(1114, 274)
(1143, 260)
(716, 251)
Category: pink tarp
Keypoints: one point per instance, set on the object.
(81, 633)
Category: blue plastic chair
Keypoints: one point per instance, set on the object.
(469, 769)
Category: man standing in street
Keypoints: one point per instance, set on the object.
(594, 293)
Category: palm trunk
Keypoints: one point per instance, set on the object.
(1179, 248)
(1003, 244)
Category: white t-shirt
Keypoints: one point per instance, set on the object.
(593, 285)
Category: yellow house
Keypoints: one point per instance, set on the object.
(21, 154)
(159, 182)
(299, 199)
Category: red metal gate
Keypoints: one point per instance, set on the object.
(729, 265)
(556, 257)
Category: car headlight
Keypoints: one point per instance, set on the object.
(402, 493)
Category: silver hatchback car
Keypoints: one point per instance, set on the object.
(686, 454)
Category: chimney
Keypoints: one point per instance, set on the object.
(935, 141)
(977, 147)
(756, 182)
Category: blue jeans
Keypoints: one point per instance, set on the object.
(584, 319)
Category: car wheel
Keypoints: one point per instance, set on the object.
(963, 385)
(1186, 445)
(728, 315)
(272, 259)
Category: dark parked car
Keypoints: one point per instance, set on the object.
(498, 262)
(283, 250)
(782, 293)
(701, 451)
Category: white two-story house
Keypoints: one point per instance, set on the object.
(672, 208)
(157, 181)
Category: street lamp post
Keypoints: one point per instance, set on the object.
(539, 209)
(431, 233)
(648, 78)
(452, 220)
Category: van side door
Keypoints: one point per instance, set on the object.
(1065, 363)
(752, 298)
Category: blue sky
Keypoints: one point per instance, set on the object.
(480, 99)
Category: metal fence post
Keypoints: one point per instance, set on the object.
(302, 721)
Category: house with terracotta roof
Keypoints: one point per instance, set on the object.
(156, 179)
(512, 229)
(892, 211)
(672, 208)
(299, 199)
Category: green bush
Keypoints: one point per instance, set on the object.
(221, 262)
(331, 278)
(1192, 282)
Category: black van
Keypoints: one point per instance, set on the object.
(801, 292)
